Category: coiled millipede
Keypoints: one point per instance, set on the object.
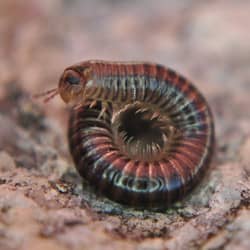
(139, 133)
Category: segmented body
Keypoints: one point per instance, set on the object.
(172, 167)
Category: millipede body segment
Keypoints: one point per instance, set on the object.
(140, 133)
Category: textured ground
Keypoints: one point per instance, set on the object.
(42, 202)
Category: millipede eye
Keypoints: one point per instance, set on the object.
(72, 79)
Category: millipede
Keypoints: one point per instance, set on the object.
(139, 132)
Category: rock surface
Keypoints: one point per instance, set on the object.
(43, 204)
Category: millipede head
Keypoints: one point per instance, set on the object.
(73, 81)
(71, 85)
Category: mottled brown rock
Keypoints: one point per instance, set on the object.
(7, 163)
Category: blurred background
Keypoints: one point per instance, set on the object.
(206, 41)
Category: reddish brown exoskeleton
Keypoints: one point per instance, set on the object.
(141, 133)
